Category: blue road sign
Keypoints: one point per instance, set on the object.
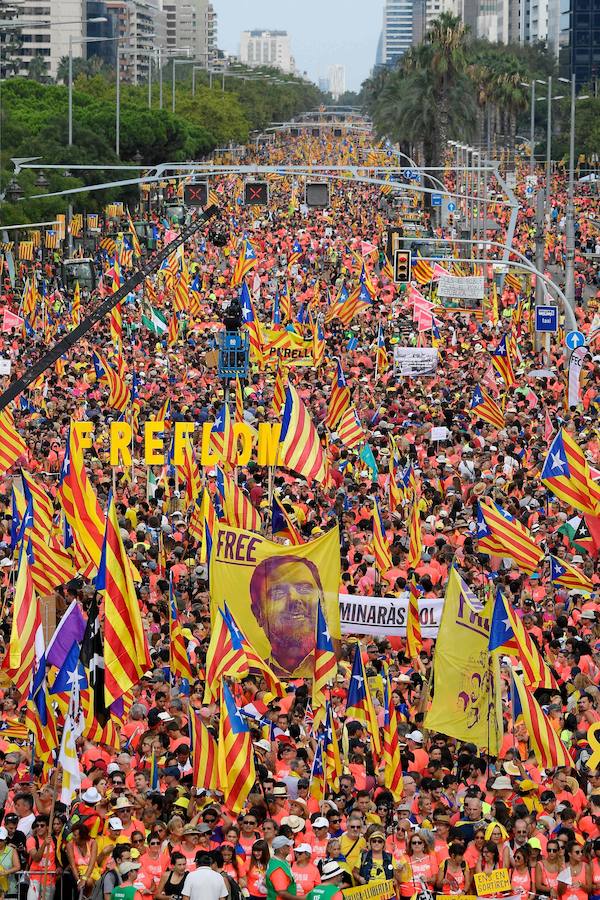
(451, 207)
(436, 199)
(574, 339)
(546, 319)
(411, 174)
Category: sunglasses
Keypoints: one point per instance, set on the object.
(154, 844)
(334, 821)
(416, 843)
(377, 841)
(249, 822)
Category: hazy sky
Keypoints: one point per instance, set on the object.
(322, 31)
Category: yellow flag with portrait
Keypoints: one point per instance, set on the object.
(272, 591)
(466, 696)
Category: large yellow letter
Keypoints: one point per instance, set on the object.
(154, 447)
(120, 443)
(268, 443)
(84, 433)
(243, 431)
(182, 430)
(207, 457)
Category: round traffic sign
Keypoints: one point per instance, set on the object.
(574, 339)
(529, 190)
(451, 207)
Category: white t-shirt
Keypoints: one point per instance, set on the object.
(205, 884)
(24, 824)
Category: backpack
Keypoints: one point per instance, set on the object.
(235, 892)
(66, 835)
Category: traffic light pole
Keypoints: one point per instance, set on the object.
(97, 314)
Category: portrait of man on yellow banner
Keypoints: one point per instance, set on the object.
(273, 591)
(466, 696)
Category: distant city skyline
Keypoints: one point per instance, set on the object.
(338, 32)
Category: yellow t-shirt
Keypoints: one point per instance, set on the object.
(352, 850)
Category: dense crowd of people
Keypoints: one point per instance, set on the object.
(462, 812)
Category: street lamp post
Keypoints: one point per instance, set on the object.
(93, 40)
(570, 217)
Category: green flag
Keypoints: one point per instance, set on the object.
(155, 321)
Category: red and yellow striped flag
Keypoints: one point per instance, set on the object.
(236, 772)
(179, 661)
(415, 542)
(20, 657)
(116, 326)
(126, 654)
(12, 445)
(485, 407)
(190, 472)
(203, 749)
(279, 389)
(381, 548)
(299, 446)
(349, 430)
(392, 773)
(500, 534)
(325, 666)
(414, 641)
(549, 750)
(80, 504)
(173, 331)
(567, 473)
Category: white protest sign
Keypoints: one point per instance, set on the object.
(470, 287)
(5, 366)
(386, 616)
(439, 433)
(411, 361)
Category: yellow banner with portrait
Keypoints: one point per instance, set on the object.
(273, 591)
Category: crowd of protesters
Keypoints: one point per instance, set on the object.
(461, 812)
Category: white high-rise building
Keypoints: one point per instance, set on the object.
(267, 48)
(539, 20)
(337, 81)
(192, 26)
(397, 32)
(47, 26)
(141, 26)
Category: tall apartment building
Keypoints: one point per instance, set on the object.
(141, 27)
(267, 48)
(337, 81)
(192, 25)
(579, 41)
(397, 31)
(539, 20)
(45, 29)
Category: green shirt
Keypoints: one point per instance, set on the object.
(124, 892)
(325, 892)
(273, 865)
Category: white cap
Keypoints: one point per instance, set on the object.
(115, 823)
(303, 848)
(165, 717)
(112, 767)
(321, 822)
(415, 736)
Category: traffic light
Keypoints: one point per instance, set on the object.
(256, 193)
(196, 194)
(402, 266)
(338, 132)
(316, 194)
(394, 237)
(316, 132)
